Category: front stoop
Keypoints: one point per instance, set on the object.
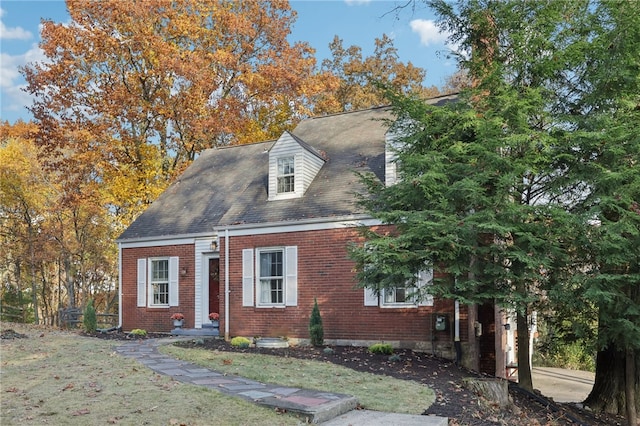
(206, 331)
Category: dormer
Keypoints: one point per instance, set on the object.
(391, 145)
(293, 164)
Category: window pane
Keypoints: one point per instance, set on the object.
(160, 270)
(286, 175)
(160, 281)
(271, 277)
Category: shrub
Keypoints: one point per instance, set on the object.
(89, 319)
(316, 331)
(381, 348)
(240, 342)
(138, 332)
(395, 358)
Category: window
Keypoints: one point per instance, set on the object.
(399, 295)
(159, 282)
(271, 278)
(407, 295)
(271, 274)
(286, 175)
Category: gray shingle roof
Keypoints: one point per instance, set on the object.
(228, 186)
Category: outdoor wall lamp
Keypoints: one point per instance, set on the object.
(183, 271)
(214, 245)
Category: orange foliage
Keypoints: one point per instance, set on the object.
(133, 91)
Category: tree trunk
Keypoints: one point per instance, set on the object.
(474, 343)
(524, 367)
(630, 382)
(71, 291)
(608, 393)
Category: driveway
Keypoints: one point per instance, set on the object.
(561, 384)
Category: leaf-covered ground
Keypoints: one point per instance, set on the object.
(460, 405)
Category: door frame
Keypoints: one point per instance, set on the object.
(204, 301)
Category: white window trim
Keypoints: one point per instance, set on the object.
(145, 287)
(258, 290)
(289, 159)
(251, 277)
(424, 278)
(297, 179)
(150, 282)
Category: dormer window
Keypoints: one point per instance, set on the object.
(293, 164)
(286, 175)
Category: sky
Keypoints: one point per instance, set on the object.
(356, 22)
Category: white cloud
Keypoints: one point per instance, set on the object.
(11, 81)
(17, 33)
(428, 32)
(356, 2)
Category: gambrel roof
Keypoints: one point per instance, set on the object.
(229, 186)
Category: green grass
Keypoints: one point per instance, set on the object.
(61, 378)
(373, 391)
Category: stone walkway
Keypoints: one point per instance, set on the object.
(314, 406)
(311, 405)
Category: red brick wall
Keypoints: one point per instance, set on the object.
(324, 272)
(157, 319)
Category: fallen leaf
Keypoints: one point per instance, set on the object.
(81, 412)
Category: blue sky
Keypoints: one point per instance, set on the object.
(356, 22)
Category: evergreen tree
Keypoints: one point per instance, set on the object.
(316, 330)
(480, 197)
(89, 319)
(606, 149)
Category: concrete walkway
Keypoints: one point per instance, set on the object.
(314, 406)
(561, 384)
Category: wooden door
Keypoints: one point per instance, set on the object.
(214, 285)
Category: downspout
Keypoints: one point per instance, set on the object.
(119, 286)
(456, 337)
(226, 284)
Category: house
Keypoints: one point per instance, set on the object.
(257, 232)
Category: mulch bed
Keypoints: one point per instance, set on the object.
(460, 405)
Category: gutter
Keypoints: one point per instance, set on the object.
(226, 284)
(120, 286)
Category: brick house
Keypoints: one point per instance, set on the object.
(257, 232)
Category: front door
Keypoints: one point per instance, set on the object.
(214, 285)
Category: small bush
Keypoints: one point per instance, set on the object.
(395, 358)
(381, 348)
(240, 342)
(316, 330)
(138, 332)
(328, 351)
(89, 319)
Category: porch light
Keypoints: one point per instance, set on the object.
(214, 245)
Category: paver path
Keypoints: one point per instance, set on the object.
(315, 406)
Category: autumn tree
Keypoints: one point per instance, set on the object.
(363, 80)
(131, 92)
(24, 194)
(56, 247)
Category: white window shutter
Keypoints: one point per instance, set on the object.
(370, 297)
(142, 282)
(247, 277)
(425, 278)
(173, 281)
(291, 276)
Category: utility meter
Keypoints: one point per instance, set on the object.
(441, 322)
